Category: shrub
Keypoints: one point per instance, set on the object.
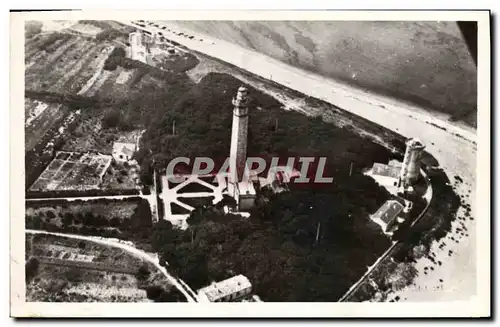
(111, 119)
(74, 275)
(50, 214)
(75, 193)
(31, 268)
(143, 272)
(114, 222)
(68, 219)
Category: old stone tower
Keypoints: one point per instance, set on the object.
(410, 170)
(238, 152)
(241, 187)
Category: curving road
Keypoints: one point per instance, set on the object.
(180, 285)
(452, 145)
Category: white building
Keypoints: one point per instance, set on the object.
(388, 215)
(137, 49)
(232, 289)
(244, 194)
(387, 176)
(123, 151)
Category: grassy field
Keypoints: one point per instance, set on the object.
(68, 270)
(64, 65)
(426, 63)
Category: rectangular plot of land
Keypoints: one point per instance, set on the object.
(63, 155)
(64, 172)
(40, 184)
(75, 156)
(66, 168)
(55, 164)
(48, 174)
(86, 160)
(51, 171)
(83, 172)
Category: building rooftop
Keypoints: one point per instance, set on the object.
(127, 151)
(125, 148)
(415, 143)
(226, 287)
(388, 212)
(246, 188)
(395, 163)
(386, 170)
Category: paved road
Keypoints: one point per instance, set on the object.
(180, 285)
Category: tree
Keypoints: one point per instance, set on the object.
(143, 272)
(163, 235)
(68, 219)
(142, 214)
(112, 118)
(74, 274)
(31, 268)
(114, 222)
(196, 216)
(154, 292)
(32, 28)
(36, 222)
(159, 294)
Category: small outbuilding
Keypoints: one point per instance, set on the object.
(388, 215)
(232, 289)
(386, 175)
(123, 151)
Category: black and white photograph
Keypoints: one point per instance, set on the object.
(259, 158)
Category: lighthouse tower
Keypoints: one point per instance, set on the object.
(238, 152)
(410, 170)
(241, 188)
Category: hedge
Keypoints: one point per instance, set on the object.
(78, 193)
